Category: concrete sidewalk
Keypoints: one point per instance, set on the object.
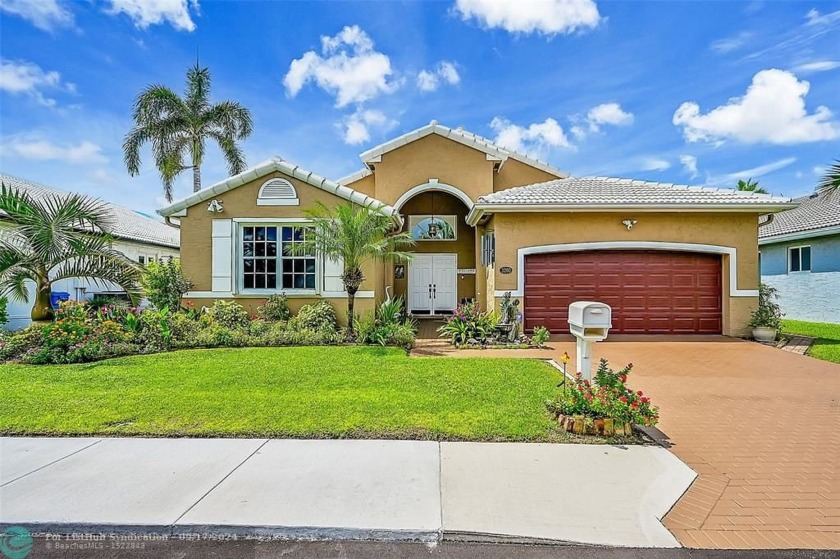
(343, 489)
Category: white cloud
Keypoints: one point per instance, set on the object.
(772, 111)
(814, 17)
(46, 150)
(548, 17)
(444, 72)
(348, 67)
(19, 77)
(608, 113)
(154, 12)
(689, 163)
(655, 164)
(817, 66)
(761, 170)
(43, 14)
(533, 140)
(358, 126)
(729, 44)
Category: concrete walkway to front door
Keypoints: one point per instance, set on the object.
(342, 489)
(760, 425)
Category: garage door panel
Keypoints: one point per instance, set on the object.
(651, 292)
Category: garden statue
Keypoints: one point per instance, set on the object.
(510, 316)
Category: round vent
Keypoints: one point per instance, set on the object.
(277, 191)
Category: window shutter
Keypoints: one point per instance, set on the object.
(332, 275)
(222, 255)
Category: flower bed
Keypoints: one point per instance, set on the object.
(82, 332)
(605, 407)
(471, 328)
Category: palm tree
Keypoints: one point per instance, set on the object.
(831, 181)
(353, 234)
(750, 186)
(178, 128)
(56, 238)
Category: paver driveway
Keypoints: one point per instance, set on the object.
(761, 426)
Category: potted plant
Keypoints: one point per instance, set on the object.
(766, 320)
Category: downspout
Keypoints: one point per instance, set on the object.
(770, 218)
(168, 220)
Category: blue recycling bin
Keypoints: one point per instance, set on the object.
(56, 297)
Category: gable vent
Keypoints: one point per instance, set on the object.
(277, 192)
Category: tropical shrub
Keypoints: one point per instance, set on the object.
(607, 397)
(275, 308)
(318, 316)
(388, 325)
(229, 314)
(164, 283)
(768, 314)
(540, 336)
(468, 322)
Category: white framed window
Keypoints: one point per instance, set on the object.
(268, 263)
(277, 192)
(144, 259)
(799, 259)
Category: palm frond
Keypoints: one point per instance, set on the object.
(831, 180)
(233, 154)
(198, 89)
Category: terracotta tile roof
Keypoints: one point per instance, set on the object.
(815, 212)
(128, 224)
(608, 191)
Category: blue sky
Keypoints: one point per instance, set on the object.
(684, 92)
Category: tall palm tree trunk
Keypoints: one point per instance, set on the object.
(196, 178)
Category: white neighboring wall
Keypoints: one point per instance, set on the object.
(808, 296)
(83, 289)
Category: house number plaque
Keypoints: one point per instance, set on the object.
(505, 270)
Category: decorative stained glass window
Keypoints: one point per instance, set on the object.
(433, 227)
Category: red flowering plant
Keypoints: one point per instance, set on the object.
(607, 397)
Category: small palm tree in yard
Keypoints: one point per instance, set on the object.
(353, 234)
(750, 185)
(57, 238)
(178, 128)
(831, 181)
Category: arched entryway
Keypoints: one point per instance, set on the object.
(441, 274)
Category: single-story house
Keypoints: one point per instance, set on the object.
(800, 256)
(669, 259)
(140, 237)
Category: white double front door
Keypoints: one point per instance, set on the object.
(432, 283)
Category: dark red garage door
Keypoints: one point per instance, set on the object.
(650, 292)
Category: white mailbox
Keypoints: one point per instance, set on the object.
(589, 321)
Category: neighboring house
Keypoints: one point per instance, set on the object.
(141, 238)
(669, 259)
(800, 256)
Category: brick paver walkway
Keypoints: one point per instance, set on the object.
(761, 426)
(796, 344)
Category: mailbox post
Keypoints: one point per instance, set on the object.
(589, 322)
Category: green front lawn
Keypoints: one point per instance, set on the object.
(283, 392)
(827, 344)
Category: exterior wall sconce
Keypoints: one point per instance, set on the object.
(215, 207)
(629, 223)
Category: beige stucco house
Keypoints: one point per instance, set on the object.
(669, 259)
